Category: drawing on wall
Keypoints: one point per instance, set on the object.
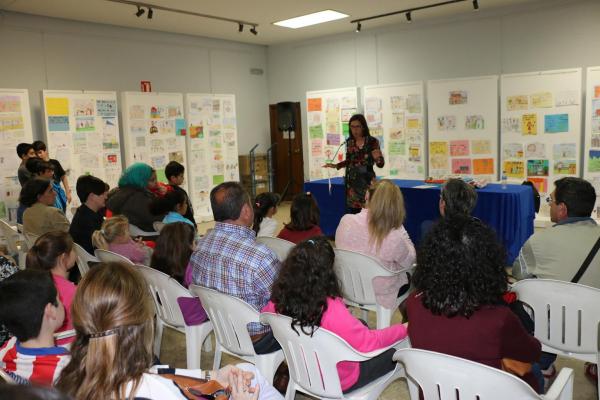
(446, 123)
(537, 167)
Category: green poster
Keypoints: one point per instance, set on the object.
(316, 132)
(218, 179)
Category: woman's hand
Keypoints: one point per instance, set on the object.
(329, 165)
(223, 375)
(239, 389)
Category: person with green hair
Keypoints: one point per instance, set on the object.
(133, 197)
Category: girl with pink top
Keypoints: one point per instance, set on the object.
(53, 252)
(308, 291)
(114, 236)
(377, 231)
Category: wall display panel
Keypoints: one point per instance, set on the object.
(327, 116)
(82, 132)
(395, 114)
(15, 128)
(540, 128)
(591, 155)
(212, 147)
(463, 126)
(154, 130)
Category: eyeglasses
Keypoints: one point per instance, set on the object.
(356, 126)
(550, 200)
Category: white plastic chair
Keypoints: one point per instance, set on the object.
(165, 291)
(109, 256)
(19, 228)
(158, 225)
(566, 315)
(230, 316)
(15, 242)
(281, 247)
(83, 258)
(134, 231)
(356, 272)
(444, 377)
(312, 361)
(5, 376)
(30, 238)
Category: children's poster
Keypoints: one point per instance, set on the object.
(591, 154)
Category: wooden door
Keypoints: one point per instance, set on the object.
(287, 155)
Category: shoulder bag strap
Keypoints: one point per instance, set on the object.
(586, 262)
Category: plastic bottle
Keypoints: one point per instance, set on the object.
(503, 180)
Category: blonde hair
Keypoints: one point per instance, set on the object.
(112, 315)
(386, 210)
(112, 228)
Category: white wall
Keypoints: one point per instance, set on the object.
(550, 34)
(45, 53)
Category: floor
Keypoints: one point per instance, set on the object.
(173, 346)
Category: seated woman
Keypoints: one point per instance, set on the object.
(41, 216)
(114, 236)
(307, 290)
(305, 215)
(112, 353)
(133, 197)
(378, 232)
(45, 169)
(457, 307)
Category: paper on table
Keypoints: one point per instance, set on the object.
(425, 186)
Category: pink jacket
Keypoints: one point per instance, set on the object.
(66, 291)
(396, 253)
(338, 320)
(134, 251)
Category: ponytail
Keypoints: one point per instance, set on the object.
(262, 204)
(99, 241)
(117, 225)
(44, 254)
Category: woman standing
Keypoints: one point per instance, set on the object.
(362, 152)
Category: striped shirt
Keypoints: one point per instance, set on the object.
(231, 261)
(41, 366)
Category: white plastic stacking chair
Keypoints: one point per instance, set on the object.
(356, 272)
(109, 256)
(19, 228)
(444, 377)
(5, 376)
(134, 231)
(312, 361)
(83, 258)
(566, 315)
(165, 291)
(230, 316)
(30, 238)
(281, 247)
(158, 225)
(15, 242)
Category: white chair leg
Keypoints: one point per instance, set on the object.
(206, 329)
(290, 393)
(158, 336)
(384, 317)
(193, 343)
(217, 358)
(365, 315)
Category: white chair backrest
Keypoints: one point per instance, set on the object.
(281, 247)
(356, 272)
(83, 258)
(567, 315)
(134, 231)
(165, 291)
(19, 228)
(109, 256)
(6, 377)
(12, 237)
(312, 360)
(158, 225)
(445, 377)
(30, 238)
(230, 317)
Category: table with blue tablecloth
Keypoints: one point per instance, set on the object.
(508, 209)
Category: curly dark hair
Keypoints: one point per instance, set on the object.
(304, 283)
(460, 267)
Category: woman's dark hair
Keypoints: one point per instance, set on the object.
(361, 118)
(460, 267)
(163, 205)
(306, 279)
(262, 204)
(173, 250)
(46, 250)
(32, 190)
(304, 213)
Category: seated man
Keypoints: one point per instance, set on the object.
(558, 252)
(88, 218)
(230, 260)
(31, 310)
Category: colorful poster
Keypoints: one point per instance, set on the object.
(594, 161)
(333, 139)
(483, 166)
(57, 106)
(106, 108)
(542, 100)
(315, 132)
(541, 184)
(564, 150)
(461, 166)
(537, 168)
(314, 104)
(535, 150)
(10, 104)
(397, 148)
(414, 153)
(481, 146)
(413, 103)
(514, 169)
(459, 148)
(58, 124)
(511, 125)
(596, 108)
(565, 167)
(474, 122)
(529, 124)
(180, 127)
(438, 154)
(446, 123)
(514, 103)
(457, 97)
(556, 123)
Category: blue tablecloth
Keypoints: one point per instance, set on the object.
(509, 211)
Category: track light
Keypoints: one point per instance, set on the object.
(253, 30)
(408, 17)
(240, 27)
(475, 5)
(139, 12)
(150, 13)
(358, 27)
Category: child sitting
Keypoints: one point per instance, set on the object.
(175, 204)
(265, 207)
(175, 173)
(305, 220)
(31, 309)
(114, 236)
(53, 252)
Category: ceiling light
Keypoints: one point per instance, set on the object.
(408, 17)
(240, 27)
(150, 13)
(358, 27)
(139, 12)
(254, 31)
(475, 5)
(311, 19)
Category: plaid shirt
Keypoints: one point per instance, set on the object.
(229, 259)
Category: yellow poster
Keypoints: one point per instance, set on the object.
(514, 169)
(438, 148)
(481, 147)
(529, 124)
(56, 106)
(413, 123)
(517, 103)
(542, 100)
